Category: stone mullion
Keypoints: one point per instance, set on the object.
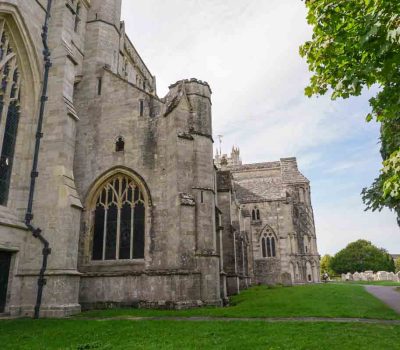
(118, 232)
(132, 230)
(106, 204)
(18, 86)
(119, 205)
(269, 247)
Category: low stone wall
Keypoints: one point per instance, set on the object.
(168, 291)
(371, 276)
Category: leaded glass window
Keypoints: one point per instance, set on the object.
(119, 220)
(9, 109)
(268, 245)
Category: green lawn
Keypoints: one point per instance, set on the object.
(324, 300)
(319, 300)
(110, 335)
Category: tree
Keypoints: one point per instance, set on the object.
(397, 264)
(362, 256)
(356, 44)
(326, 265)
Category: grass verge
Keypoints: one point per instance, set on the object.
(318, 300)
(102, 335)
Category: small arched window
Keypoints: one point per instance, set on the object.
(253, 215)
(258, 214)
(9, 109)
(119, 220)
(268, 245)
(120, 144)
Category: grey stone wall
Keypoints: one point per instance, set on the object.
(97, 85)
(281, 196)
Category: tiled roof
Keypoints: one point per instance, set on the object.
(255, 166)
(258, 189)
(265, 181)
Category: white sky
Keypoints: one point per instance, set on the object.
(247, 50)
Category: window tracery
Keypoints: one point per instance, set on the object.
(119, 220)
(268, 245)
(9, 109)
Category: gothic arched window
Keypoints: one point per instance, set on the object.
(119, 220)
(253, 215)
(258, 214)
(268, 245)
(9, 109)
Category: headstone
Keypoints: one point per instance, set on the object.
(391, 276)
(382, 275)
(344, 277)
(370, 275)
(397, 277)
(356, 276)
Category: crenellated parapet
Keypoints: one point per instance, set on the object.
(190, 81)
(196, 96)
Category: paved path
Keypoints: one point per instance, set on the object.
(247, 319)
(389, 295)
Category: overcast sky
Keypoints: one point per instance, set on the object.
(247, 50)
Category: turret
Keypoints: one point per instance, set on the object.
(103, 35)
(108, 11)
(198, 94)
(235, 156)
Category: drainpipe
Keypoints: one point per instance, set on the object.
(37, 232)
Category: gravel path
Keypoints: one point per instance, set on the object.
(389, 295)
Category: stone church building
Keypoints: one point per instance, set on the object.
(109, 194)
